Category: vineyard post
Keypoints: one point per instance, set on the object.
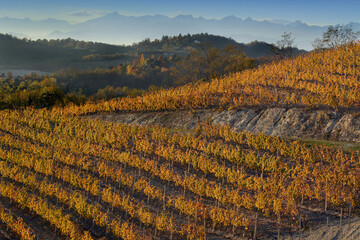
(113, 203)
(184, 184)
(213, 225)
(148, 196)
(349, 220)
(256, 222)
(233, 228)
(204, 228)
(341, 215)
(107, 220)
(325, 198)
(169, 165)
(196, 213)
(299, 225)
(279, 221)
(172, 230)
(327, 221)
(57, 199)
(157, 214)
(133, 187)
(164, 207)
(99, 192)
(188, 225)
(223, 179)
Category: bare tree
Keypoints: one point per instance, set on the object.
(336, 36)
(284, 47)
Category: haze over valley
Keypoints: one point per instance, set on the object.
(115, 28)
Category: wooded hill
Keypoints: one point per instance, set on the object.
(52, 55)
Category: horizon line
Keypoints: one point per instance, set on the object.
(271, 20)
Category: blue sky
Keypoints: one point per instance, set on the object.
(319, 12)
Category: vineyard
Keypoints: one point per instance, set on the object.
(75, 178)
(63, 176)
(327, 79)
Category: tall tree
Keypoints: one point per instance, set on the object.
(208, 62)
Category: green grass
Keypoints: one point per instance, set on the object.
(346, 146)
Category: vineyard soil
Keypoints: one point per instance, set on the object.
(333, 231)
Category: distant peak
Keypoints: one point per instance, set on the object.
(352, 24)
(249, 19)
(296, 23)
(280, 21)
(159, 15)
(185, 16)
(231, 17)
(115, 13)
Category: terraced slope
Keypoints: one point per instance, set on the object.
(300, 123)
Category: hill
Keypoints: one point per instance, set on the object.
(319, 79)
(184, 43)
(53, 55)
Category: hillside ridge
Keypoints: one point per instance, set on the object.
(282, 122)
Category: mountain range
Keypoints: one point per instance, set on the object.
(115, 28)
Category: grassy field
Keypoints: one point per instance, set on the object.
(347, 147)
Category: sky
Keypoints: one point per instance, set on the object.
(313, 12)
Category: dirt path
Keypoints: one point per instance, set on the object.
(332, 232)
